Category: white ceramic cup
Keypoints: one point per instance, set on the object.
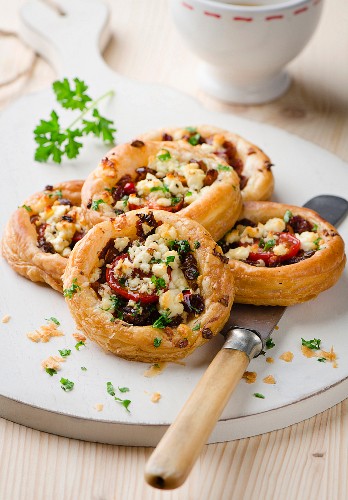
(245, 48)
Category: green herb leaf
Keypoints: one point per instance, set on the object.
(269, 343)
(192, 130)
(287, 216)
(164, 156)
(189, 193)
(196, 244)
(69, 292)
(175, 200)
(196, 327)
(162, 321)
(110, 389)
(50, 371)
(258, 395)
(27, 208)
(181, 246)
(315, 228)
(64, 352)
(96, 203)
(124, 402)
(69, 97)
(317, 242)
(311, 344)
(53, 320)
(170, 258)
(72, 146)
(163, 188)
(223, 168)
(79, 344)
(123, 389)
(66, 384)
(83, 368)
(158, 282)
(322, 360)
(194, 139)
(157, 341)
(100, 127)
(49, 138)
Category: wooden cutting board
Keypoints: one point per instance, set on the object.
(72, 43)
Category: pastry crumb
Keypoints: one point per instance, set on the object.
(269, 360)
(44, 333)
(276, 327)
(156, 396)
(52, 362)
(287, 356)
(99, 407)
(306, 351)
(250, 377)
(79, 337)
(329, 356)
(6, 318)
(269, 380)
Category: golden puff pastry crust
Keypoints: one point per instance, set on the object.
(282, 254)
(32, 243)
(171, 176)
(170, 261)
(251, 164)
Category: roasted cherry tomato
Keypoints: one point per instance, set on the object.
(77, 236)
(117, 286)
(129, 188)
(291, 243)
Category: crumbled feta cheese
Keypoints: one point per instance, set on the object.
(307, 239)
(275, 225)
(239, 253)
(121, 243)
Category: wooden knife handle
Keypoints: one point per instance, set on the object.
(175, 455)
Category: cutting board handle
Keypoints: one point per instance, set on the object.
(70, 36)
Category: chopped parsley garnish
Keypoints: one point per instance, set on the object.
(258, 395)
(164, 156)
(53, 320)
(27, 208)
(158, 282)
(96, 203)
(163, 188)
(66, 384)
(181, 246)
(64, 352)
(57, 193)
(196, 244)
(317, 242)
(110, 389)
(223, 168)
(192, 130)
(79, 344)
(53, 140)
(175, 200)
(123, 389)
(267, 245)
(125, 200)
(83, 368)
(315, 228)
(194, 139)
(322, 360)
(117, 304)
(269, 343)
(287, 216)
(157, 342)
(69, 292)
(170, 258)
(122, 281)
(311, 344)
(50, 371)
(189, 193)
(124, 402)
(163, 321)
(196, 327)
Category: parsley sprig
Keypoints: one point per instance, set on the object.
(54, 141)
(311, 344)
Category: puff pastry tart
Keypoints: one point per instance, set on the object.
(40, 234)
(282, 254)
(149, 286)
(171, 176)
(250, 163)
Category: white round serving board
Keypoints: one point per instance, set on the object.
(31, 397)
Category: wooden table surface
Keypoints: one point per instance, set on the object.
(305, 461)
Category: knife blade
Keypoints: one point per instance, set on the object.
(246, 333)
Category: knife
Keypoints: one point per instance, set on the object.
(246, 333)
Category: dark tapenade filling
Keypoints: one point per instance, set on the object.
(141, 313)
